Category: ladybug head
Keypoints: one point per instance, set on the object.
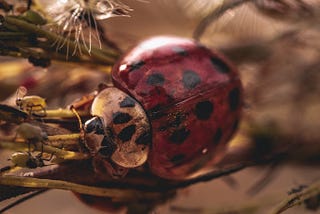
(94, 125)
(120, 128)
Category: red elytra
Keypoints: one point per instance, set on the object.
(101, 203)
(192, 96)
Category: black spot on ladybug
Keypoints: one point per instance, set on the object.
(127, 133)
(127, 102)
(174, 121)
(179, 136)
(204, 110)
(155, 113)
(178, 119)
(136, 65)
(178, 159)
(106, 141)
(120, 117)
(109, 132)
(190, 79)
(162, 128)
(234, 99)
(155, 79)
(180, 51)
(217, 136)
(107, 147)
(144, 139)
(220, 65)
(105, 152)
(235, 125)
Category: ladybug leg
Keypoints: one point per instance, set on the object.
(41, 150)
(82, 137)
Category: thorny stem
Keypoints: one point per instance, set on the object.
(115, 194)
(104, 56)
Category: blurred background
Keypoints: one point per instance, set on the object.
(277, 50)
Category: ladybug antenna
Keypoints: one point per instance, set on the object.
(78, 117)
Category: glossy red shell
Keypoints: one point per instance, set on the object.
(192, 96)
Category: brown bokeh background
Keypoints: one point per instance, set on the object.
(281, 78)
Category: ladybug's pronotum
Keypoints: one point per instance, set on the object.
(174, 105)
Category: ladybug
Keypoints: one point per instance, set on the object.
(174, 105)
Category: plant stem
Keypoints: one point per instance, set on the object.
(115, 194)
(298, 198)
(64, 113)
(107, 57)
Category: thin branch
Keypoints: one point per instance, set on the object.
(23, 199)
(64, 113)
(298, 198)
(115, 194)
(209, 176)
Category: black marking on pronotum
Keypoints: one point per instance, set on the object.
(121, 117)
(127, 102)
(235, 125)
(107, 147)
(155, 79)
(109, 132)
(144, 138)
(179, 136)
(190, 79)
(217, 136)
(179, 50)
(220, 65)
(126, 133)
(136, 65)
(177, 159)
(234, 99)
(203, 110)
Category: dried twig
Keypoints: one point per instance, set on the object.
(115, 194)
(298, 198)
